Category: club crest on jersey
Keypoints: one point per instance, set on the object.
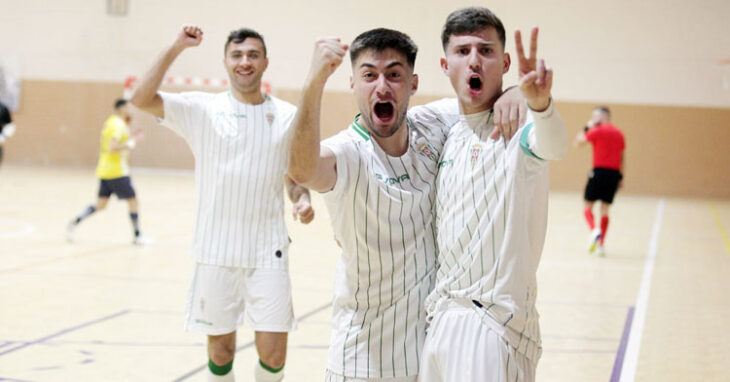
(476, 151)
(428, 151)
(270, 118)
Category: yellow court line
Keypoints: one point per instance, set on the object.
(721, 228)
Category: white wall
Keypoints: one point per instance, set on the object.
(617, 51)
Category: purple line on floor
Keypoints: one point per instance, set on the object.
(45, 368)
(6, 343)
(619, 363)
(62, 332)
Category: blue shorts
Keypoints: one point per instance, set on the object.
(122, 187)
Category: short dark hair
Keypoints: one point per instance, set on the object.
(119, 102)
(240, 35)
(380, 39)
(471, 20)
(604, 110)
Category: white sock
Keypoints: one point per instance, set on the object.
(262, 375)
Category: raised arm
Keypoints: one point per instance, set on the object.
(581, 138)
(536, 81)
(145, 95)
(309, 164)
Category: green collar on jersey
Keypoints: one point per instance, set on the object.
(363, 132)
(359, 129)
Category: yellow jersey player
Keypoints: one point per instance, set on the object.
(113, 169)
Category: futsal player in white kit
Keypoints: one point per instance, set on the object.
(491, 208)
(377, 178)
(240, 141)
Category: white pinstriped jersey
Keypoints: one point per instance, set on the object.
(241, 154)
(492, 202)
(382, 215)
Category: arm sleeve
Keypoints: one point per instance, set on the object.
(591, 135)
(545, 136)
(180, 110)
(443, 113)
(117, 132)
(343, 150)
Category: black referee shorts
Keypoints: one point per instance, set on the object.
(122, 187)
(602, 185)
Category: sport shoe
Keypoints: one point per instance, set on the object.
(593, 240)
(70, 231)
(143, 240)
(601, 251)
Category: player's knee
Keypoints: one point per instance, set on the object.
(221, 349)
(221, 355)
(274, 359)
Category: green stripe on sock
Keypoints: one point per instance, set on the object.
(220, 370)
(269, 368)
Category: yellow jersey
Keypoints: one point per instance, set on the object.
(113, 164)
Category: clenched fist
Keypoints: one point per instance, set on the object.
(189, 36)
(328, 55)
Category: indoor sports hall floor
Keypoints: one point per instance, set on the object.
(655, 308)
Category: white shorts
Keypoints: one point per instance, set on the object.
(460, 347)
(334, 377)
(219, 296)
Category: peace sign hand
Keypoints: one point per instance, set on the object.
(536, 80)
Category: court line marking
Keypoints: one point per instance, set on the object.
(249, 344)
(630, 361)
(24, 345)
(721, 227)
(619, 362)
(24, 230)
(14, 380)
